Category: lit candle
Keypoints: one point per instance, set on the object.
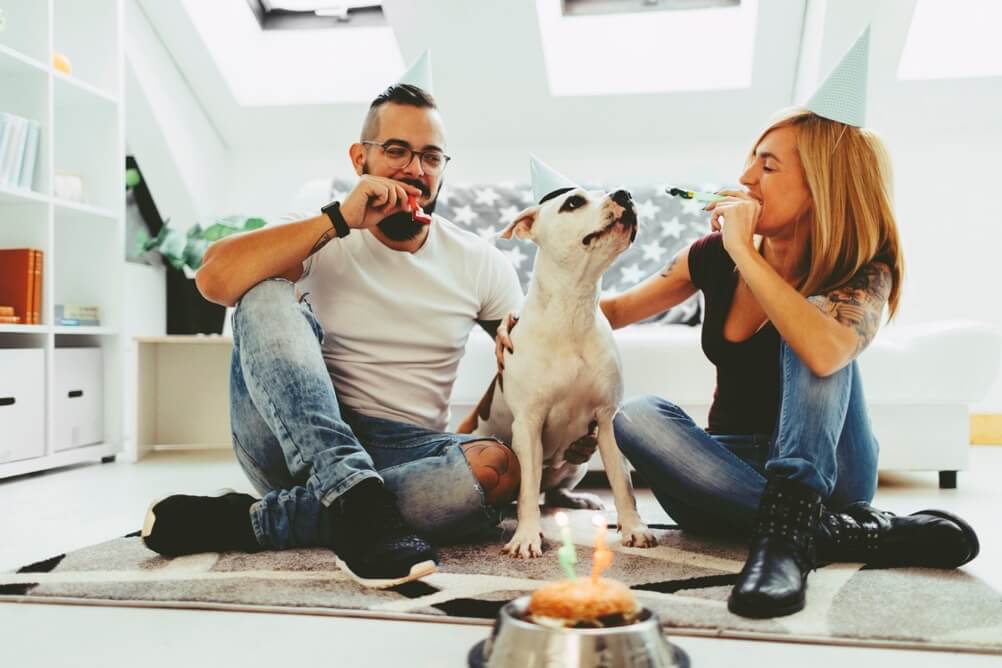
(568, 557)
(602, 558)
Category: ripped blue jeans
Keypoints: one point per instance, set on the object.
(713, 482)
(301, 450)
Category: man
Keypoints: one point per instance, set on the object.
(339, 394)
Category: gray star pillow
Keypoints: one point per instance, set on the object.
(667, 225)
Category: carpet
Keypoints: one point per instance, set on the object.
(685, 580)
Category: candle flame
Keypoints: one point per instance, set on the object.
(598, 519)
(561, 519)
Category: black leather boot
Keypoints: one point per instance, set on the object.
(877, 538)
(774, 579)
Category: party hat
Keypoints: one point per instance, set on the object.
(842, 96)
(546, 181)
(419, 74)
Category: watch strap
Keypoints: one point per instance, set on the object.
(333, 212)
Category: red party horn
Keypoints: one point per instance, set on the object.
(417, 213)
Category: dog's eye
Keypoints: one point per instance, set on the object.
(572, 202)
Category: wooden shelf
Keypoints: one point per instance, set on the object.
(55, 460)
(10, 195)
(24, 329)
(81, 121)
(187, 338)
(71, 91)
(84, 330)
(88, 209)
(15, 62)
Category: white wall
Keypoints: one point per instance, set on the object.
(181, 154)
(945, 139)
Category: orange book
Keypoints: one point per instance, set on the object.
(6, 311)
(16, 284)
(36, 297)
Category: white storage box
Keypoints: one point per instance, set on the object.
(22, 404)
(78, 398)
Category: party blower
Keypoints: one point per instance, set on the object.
(693, 194)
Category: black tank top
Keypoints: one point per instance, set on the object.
(746, 399)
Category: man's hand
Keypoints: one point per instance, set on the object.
(373, 199)
(502, 341)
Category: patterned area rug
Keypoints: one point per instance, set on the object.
(685, 580)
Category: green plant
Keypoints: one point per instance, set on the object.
(185, 250)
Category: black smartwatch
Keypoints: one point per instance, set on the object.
(333, 212)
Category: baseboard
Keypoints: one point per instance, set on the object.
(986, 428)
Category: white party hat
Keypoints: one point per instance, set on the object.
(842, 95)
(419, 74)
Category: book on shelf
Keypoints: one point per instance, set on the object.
(36, 297)
(74, 315)
(19, 142)
(21, 283)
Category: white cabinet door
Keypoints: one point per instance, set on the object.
(22, 404)
(78, 404)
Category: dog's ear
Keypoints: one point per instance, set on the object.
(521, 227)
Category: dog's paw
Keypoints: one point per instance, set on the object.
(638, 536)
(562, 498)
(525, 545)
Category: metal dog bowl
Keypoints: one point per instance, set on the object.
(517, 643)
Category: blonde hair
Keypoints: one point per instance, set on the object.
(848, 172)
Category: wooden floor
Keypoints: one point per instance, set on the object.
(54, 512)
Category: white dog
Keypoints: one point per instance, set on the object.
(566, 374)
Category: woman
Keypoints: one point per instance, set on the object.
(785, 320)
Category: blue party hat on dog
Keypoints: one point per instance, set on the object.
(546, 181)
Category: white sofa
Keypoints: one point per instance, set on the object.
(918, 380)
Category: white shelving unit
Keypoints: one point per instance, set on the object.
(82, 132)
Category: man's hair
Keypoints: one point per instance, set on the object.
(396, 94)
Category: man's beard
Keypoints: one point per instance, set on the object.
(400, 226)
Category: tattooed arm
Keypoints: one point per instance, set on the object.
(669, 287)
(859, 304)
(826, 332)
(234, 265)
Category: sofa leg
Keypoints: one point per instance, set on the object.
(948, 480)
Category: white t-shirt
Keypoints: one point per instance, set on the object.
(396, 323)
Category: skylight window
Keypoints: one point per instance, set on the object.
(955, 39)
(317, 14)
(586, 7)
(289, 67)
(708, 48)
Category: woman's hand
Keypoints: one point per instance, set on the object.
(502, 340)
(740, 213)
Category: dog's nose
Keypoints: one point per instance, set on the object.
(623, 198)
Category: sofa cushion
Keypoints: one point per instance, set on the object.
(667, 225)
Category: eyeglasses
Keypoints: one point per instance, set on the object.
(399, 156)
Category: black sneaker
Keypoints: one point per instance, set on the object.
(373, 543)
(183, 524)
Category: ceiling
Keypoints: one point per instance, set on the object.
(491, 81)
